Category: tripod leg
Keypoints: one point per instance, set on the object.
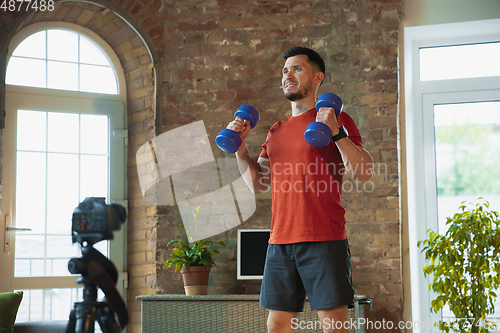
(70, 328)
(85, 317)
(106, 319)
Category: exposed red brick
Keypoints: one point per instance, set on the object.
(136, 9)
(148, 22)
(223, 73)
(235, 11)
(186, 26)
(129, 5)
(240, 23)
(215, 12)
(270, 9)
(193, 39)
(185, 74)
(192, 108)
(156, 31)
(389, 24)
(226, 95)
(245, 94)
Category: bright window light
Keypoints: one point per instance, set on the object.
(62, 75)
(97, 79)
(64, 60)
(31, 130)
(32, 47)
(94, 176)
(64, 160)
(30, 194)
(63, 134)
(62, 45)
(91, 54)
(459, 62)
(94, 134)
(27, 72)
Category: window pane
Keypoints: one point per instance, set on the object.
(31, 132)
(74, 63)
(48, 304)
(98, 79)
(62, 75)
(60, 250)
(62, 45)
(63, 132)
(30, 191)
(458, 62)
(103, 247)
(34, 46)
(467, 160)
(62, 191)
(467, 155)
(29, 251)
(94, 176)
(94, 134)
(91, 54)
(31, 308)
(26, 72)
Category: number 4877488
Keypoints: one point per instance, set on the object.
(26, 5)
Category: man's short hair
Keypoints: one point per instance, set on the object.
(314, 58)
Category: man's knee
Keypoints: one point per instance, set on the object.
(337, 319)
(280, 321)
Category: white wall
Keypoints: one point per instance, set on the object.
(425, 12)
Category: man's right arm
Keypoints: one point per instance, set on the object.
(256, 174)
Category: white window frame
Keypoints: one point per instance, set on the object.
(43, 99)
(39, 26)
(420, 97)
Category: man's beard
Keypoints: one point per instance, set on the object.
(301, 94)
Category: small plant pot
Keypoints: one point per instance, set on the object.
(195, 280)
(196, 290)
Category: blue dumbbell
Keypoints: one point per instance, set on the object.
(228, 140)
(319, 134)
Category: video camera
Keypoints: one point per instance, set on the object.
(94, 221)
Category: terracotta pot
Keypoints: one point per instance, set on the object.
(196, 290)
(195, 280)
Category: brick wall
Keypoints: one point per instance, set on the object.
(217, 55)
(227, 53)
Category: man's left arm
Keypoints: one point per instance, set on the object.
(357, 160)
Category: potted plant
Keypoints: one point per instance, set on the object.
(466, 268)
(194, 261)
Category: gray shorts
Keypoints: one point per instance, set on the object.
(320, 270)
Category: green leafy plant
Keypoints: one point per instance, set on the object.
(466, 268)
(198, 254)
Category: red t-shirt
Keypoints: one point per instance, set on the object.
(306, 182)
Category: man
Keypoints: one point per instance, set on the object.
(308, 252)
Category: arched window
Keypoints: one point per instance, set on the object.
(64, 139)
(62, 59)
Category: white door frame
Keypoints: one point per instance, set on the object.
(75, 102)
(419, 140)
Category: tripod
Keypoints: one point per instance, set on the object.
(97, 271)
